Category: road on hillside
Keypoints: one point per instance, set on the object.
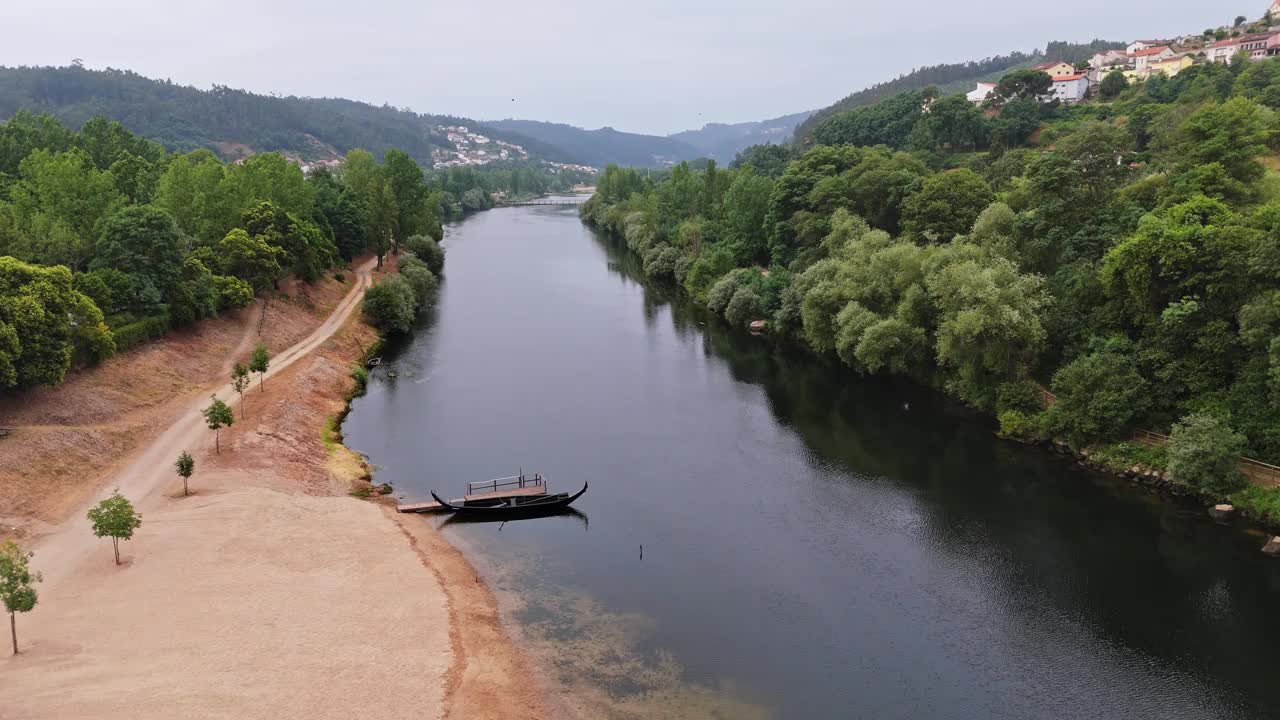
(152, 467)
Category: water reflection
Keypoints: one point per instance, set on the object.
(815, 544)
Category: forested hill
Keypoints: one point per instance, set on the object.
(605, 146)
(955, 77)
(231, 122)
(722, 142)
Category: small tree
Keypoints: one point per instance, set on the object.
(240, 381)
(115, 518)
(1113, 84)
(17, 584)
(1204, 452)
(186, 465)
(1240, 20)
(259, 362)
(218, 416)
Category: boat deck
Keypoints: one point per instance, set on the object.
(433, 506)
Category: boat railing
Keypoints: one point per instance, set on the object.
(504, 483)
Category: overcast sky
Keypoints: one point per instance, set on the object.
(654, 66)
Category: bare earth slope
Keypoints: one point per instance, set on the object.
(267, 593)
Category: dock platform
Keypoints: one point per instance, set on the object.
(501, 488)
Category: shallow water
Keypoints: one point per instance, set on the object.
(814, 544)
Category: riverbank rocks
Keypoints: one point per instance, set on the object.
(757, 326)
(1272, 547)
(1222, 512)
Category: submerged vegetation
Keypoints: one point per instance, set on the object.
(1122, 255)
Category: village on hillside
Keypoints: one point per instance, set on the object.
(1141, 59)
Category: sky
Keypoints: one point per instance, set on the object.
(650, 66)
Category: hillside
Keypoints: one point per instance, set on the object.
(954, 77)
(722, 142)
(232, 122)
(604, 146)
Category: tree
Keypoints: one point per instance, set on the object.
(1113, 84)
(947, 205)
(142, 240)
(115, 518)
(240, 381)
(1204, 452)
(427, 250)
(251, 258)
(42, 319)
(1233, 135)
(1099, 394)
(218, 416)
(1240, 20)
(185, 465)
(1023, 84)
(390, 305)
(17, 584)
(259, 362)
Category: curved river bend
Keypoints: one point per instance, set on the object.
(814, 545)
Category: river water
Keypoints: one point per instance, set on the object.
(767, 535)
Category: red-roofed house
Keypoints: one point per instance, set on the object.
(1255, 45)
(1056, 68)
(1143, 58)
(1070, 88)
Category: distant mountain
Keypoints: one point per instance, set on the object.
(955, 77)
(722, 142)
(604, 146)
(235, 123)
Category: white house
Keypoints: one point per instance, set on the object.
(979, 94)
(1137, 45)
(1274, 9)
(1111, 57)
(1069, 88)
(1256, 46)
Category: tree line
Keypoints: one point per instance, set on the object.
(107, 240)
(1125, 255)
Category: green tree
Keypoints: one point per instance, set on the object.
(44, 322)
(251, 258)
(427, 250)
(259, 362)
(745, 205)
(1113, 84)
(1100, 395)
(142, 240)
(390, 305)
(240, 382)
(1023, 84)
(947, 205)
(1204, 452)
(115, 518)
(218, 416)
(1232, 135)
(185, 466)
(17, 584)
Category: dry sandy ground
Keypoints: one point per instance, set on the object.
(268, 593)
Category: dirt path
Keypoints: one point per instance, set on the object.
(150, 468)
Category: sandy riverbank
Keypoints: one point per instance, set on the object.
(269, 592)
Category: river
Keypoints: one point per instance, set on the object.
(768, 535)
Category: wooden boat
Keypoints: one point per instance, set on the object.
(511, 507)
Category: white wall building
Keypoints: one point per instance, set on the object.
(1070, 88)
(979, 94)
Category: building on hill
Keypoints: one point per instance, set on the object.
(1170, 66)
(1274, 10)
(1056, 68)
(1144, 57)
(980, 93)
(1111, 57)
(1255, 45)
(1138, 45)
(1070, 88)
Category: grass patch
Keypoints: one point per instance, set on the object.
(1262, 502)
(361, 491)
(329, 433)
(1124, 455)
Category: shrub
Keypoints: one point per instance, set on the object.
(136, 333)
(743, 307)
(390, 305)
(232, 291)
(660, 262)
(1204, 452)
(1262, 502)
(427, 250)
(340, 277)
(1020, 425)
(1099, 394)
(424, 284)
(722, 291)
